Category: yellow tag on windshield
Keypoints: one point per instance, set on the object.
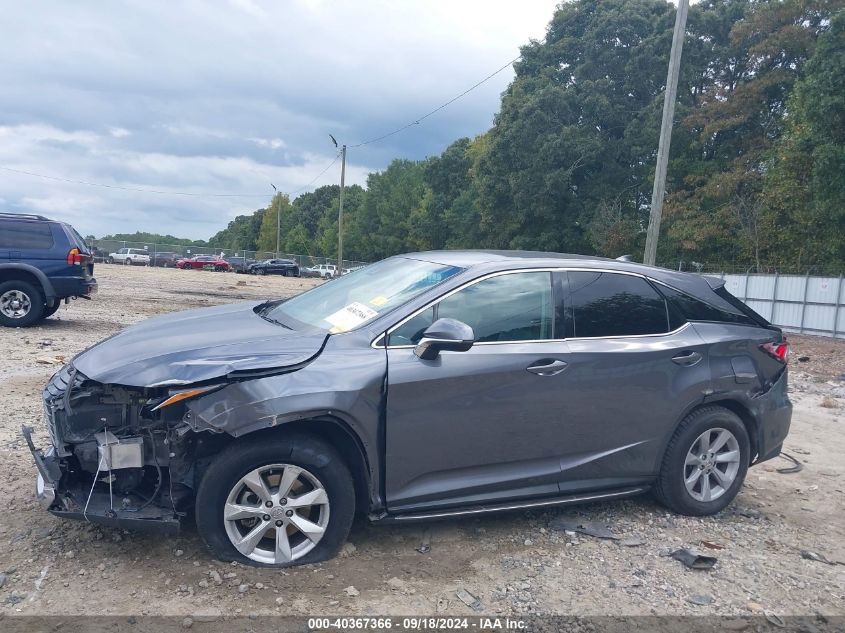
(378, 301)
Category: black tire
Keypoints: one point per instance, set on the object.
(284, 273)
(260, 271)
(48, 312)
(670, 489)
(308, 452)
(110, 260)
(35, 301)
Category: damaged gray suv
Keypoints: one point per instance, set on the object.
(424, 386)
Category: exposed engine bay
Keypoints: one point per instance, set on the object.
(122, 454)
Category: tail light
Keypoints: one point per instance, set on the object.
(74, 257)
(779, 351)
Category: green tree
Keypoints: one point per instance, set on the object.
(805, 187)
(267, 233)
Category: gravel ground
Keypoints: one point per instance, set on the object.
(513, 564)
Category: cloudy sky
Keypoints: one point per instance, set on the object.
(227, 97)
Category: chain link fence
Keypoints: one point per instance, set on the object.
(165, 254)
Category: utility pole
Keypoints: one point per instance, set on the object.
(340, 212)
(665, 134)
(278, 217)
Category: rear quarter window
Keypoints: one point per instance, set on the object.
(610, 304)
(20, 234)
(683, 307)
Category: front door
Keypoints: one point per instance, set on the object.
(486, 424)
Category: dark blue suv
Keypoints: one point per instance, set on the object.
(42, 261)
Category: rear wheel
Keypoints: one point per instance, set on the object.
(705, 463)
(276, 502)
(21, 304)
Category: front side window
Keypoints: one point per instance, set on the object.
(610, 304)
(510, 307)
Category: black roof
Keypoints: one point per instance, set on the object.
(489, 260)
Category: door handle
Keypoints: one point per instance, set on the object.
(547, 367)
(687, 358)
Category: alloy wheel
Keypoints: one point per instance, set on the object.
(712, 464)
(15, 304)
(276, 514)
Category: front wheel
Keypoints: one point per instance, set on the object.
(110, 260)
(276, 502)
(705, 463)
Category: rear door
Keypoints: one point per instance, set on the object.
(485, 424)
(632, 375)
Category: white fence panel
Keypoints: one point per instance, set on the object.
(811, 305)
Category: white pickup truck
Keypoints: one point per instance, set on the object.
(130, 257)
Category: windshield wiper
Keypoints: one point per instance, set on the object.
(263, 309)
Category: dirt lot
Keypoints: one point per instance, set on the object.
(513, 564)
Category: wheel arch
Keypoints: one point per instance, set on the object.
(331, 429)
(30, 274)
(734, 406)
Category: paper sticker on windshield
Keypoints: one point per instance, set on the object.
(378, 301)
(350, 316)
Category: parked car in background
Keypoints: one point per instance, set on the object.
(42, 262)
(309, 272)
(200, 262)
(283, 267)
(326, 271)
(164, 259)
(426, 386)
(239, 264)
(130, 257)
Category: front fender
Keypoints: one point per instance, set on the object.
(342, 383)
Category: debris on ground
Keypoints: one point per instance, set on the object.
(819, 558)
(351, 591)
(632, 542)
(590, 528)
(788, 470)
(701, 599)
(468, 599)
(711, 545)
(694, 560)
(425, 541)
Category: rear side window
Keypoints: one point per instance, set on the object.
(610, 304)
(683, 307)
(25, 235)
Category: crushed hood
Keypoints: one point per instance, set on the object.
(195, 346)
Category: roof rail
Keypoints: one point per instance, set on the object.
(23, 216)
(625, 258)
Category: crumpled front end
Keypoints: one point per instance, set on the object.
(114, 457)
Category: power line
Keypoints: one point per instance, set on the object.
(316, 178)
(136, 189)
(161, 191)
(418, 120)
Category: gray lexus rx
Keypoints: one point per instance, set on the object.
(426, 385)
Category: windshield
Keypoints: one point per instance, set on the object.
(352, 300)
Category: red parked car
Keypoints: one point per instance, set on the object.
(203, 261)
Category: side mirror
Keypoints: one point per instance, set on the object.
(444, 334)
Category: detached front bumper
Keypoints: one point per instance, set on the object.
(90, 505)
